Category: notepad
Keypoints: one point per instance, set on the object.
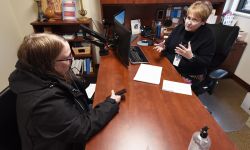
(149, 74)
(176, 87)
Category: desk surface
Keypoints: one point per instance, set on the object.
(149, 118)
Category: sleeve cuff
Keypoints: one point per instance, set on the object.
(193, 58)
(112, 101)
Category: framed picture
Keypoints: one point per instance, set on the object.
(136, 26)
(244, 6)
(160, 14)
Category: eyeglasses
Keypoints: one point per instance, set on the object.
(69, 58)
(192, 20)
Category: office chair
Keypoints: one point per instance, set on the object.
(9, 136)
(225, 37)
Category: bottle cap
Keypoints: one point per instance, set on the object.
(204, 132)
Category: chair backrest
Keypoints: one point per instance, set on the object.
(225, 37)
(9, 136)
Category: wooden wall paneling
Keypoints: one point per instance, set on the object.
(234, 56)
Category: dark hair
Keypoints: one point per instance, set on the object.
(39, 51)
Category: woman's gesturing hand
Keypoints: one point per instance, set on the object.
(184, 51)
(160, 46)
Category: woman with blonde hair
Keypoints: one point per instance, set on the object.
(191, 46)
(209, 5)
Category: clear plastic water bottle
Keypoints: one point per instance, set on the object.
(200, 140)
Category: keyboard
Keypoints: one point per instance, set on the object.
(136, 55)
(133, 37)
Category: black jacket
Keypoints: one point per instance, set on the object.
(54, 115)
(203, 47)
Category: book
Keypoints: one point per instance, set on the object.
(87, 65)
(69, 10)
(176, 12)
(168, 12)
(77, 65)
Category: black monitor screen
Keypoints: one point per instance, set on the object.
(122, 42)
(120, 17)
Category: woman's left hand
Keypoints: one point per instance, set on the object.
(183, 51)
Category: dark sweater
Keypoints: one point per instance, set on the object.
(202, 44)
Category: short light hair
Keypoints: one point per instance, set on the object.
(209, 5)
(200, 9)
(39, 51)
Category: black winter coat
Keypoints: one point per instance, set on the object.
(54, 115)
(202, 44)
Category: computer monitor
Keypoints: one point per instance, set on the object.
(120, 17)
(122, 42)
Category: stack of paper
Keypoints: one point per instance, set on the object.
(177, 87)
(149, 74)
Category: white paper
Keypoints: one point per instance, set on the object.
(176, 87)
(149, 73)
(90, 90)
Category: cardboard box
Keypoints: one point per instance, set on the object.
(81, 51)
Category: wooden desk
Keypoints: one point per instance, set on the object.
(149, 118)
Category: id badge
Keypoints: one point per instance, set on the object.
(177, 60)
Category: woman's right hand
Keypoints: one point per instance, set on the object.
(117, 98)
(160, 46)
